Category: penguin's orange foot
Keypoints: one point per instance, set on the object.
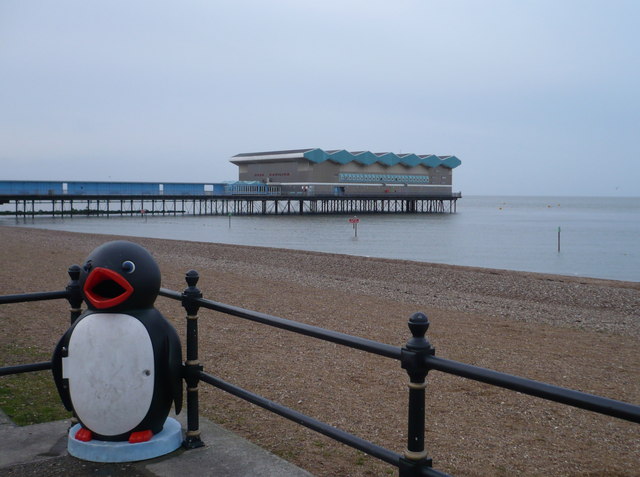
(140, 436)
(83, 435)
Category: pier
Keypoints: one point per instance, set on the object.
(214, 205)
(27, 199)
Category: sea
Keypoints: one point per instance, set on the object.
(578, 236)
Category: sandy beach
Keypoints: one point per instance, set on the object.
(579, 333)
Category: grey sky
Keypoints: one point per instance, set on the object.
(535, 97)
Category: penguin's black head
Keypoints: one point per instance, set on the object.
(120, 275)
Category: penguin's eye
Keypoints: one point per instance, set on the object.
(128, 266)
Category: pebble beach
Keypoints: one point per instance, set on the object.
(580, 333)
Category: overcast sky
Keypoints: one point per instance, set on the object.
(535, 97)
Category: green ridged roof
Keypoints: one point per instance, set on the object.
(342, 156)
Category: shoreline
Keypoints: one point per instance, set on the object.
(559, 300)
(471, 268)
(619, 266)
(580, 333)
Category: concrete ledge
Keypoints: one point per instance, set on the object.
(225, 454)
(31, 444)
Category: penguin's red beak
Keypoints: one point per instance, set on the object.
(105, 288)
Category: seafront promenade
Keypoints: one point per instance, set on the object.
(587, 330)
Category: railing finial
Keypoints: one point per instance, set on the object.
(418, 325)
(74, 272)
(192, 278)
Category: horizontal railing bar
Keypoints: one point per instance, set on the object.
(25, 297)
(601, 405)
(174, 295)
(356, 342)
(299, 418)
(25, 368)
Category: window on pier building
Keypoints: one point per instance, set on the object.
(382, 178)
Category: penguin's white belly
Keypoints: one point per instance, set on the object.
(110, 369)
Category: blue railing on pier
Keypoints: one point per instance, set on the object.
(42, 190)
(84, 188)
(417, 358)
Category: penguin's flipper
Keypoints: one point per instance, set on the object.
(56, 368)
(174, 354)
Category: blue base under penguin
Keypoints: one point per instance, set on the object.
(168, 440)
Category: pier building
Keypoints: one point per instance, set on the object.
(344, 173)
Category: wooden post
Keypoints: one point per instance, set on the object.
(558, 239)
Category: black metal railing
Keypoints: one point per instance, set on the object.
(72, 293)
(417, 357)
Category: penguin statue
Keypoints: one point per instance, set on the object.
(119, 366)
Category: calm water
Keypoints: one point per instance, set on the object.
(600, 237)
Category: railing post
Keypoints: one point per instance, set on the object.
(75, 302)
(192, 366)
(413, 354)
(75, 293)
